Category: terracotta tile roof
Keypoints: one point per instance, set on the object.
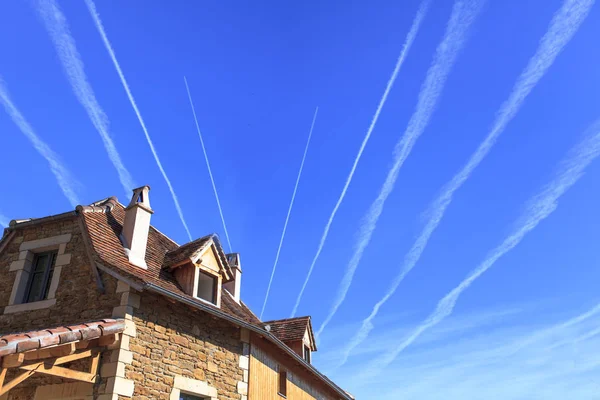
(291, 329)
(104, 222)
(186, 252)
(32, 340)
(191, 250)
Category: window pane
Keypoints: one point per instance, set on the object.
(206, 287)
(36, 290)
(47, 287)
(184, 396)
(306, 354)
(41, 262)
(40, 278)
(282, 381)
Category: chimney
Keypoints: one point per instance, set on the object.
(234, 286)
(136, 226)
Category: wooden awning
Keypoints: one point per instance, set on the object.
(43, 351)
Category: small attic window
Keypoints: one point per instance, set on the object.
(306, 354)
(207, 287)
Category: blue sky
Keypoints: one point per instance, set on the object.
(256, 73)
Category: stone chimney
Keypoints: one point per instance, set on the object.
(234, 286)
(136, 226)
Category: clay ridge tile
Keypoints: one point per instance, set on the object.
(31, 340)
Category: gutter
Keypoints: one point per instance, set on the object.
(157, 289)
(14, 224)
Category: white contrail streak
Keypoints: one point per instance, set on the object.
(57, 27)
(212, 180)
(94, 13)
(287, 218)
(538, 208)
(461, 19)
(60, 171)
(412, 33)
(562, 28)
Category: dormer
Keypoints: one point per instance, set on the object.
(296, 333)
(200, 267)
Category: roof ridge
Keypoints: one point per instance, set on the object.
(287, 319)
(101, 206)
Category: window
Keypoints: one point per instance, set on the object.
(282, 389)
(207, 287)
(40, 277)
(184, 396)
(306, 354)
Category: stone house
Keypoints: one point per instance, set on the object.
(96, 303)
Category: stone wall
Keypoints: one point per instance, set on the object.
(77, 296)
(172, 340)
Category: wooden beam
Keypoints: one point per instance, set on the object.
(13, 360)
(71, 357)
(94, 364)
(50, 366)
(108, 340)
(54, 370)
(2, 376)
(63, 350)
(5, 388)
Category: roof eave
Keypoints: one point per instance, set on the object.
(253, 328)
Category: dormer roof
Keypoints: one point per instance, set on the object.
(292, 329)
(192, 252)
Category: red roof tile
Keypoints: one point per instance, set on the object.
(291, 329)
(104, 223)
(24, 341)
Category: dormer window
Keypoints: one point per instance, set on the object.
(306, 354)
(207, 287)
(200, 268)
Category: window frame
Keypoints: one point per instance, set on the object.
(191, 396)
(46, 280)
(22, 267)
(215, 290)
(282, 381)
(306, 353)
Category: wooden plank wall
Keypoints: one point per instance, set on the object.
(264, 377)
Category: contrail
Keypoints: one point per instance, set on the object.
(412, 33)
(538, 208)
(3, 221)
(57, 27)
(289, 212)
(562, 28)
(463, 15)
(94, 13)
(212, 180)
(60, 171)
